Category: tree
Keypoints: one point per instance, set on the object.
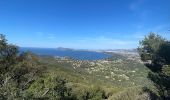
(156, 49)
(149, 46)
(8, 55)
(17, 70)
(164, 52)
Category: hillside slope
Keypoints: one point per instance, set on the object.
(113, 76)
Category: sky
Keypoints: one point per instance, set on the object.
(83, 24)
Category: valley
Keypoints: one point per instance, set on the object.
(117, 74)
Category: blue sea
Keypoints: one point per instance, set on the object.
(75, 54)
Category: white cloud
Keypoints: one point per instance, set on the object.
(139, 35)
(102, 42)
(136, 5)
(39, 33)
(137, 9)
(46, 35)
(51, 36)
(98, 42)
(160, 28)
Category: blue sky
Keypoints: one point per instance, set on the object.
(83, 24)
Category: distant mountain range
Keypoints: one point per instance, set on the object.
(62, 48)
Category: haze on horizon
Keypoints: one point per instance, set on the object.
(83, 24)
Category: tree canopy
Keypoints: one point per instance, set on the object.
(157, 49)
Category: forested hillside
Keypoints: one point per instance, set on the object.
(155, 51)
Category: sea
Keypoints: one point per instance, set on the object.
(71, 53)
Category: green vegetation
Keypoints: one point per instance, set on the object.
(156, 49)
(17, 72)
(122, 77)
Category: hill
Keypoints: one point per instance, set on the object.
(24, 75)
(115, 75)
